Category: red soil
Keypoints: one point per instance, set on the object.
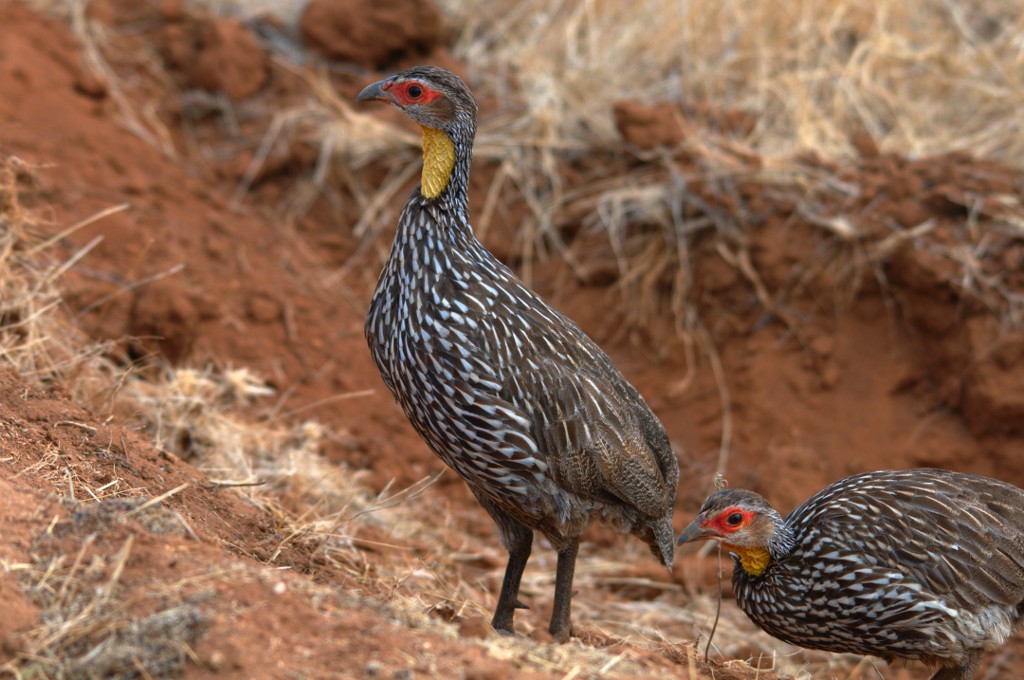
(838, 370)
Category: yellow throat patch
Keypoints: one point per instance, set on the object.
(753, 560)
(438, 161)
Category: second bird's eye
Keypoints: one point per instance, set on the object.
(734, 520)
(415, 91)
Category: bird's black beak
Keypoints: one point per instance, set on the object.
(375, 91)
(695, 532)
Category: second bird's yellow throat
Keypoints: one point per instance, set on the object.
(438, 161)
(753, 560)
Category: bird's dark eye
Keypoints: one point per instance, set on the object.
(735, 519)
(415, 92)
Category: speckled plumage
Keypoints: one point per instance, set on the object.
(507, 391)
(916, 564)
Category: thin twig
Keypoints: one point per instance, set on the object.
(718, 607)
(153, 501)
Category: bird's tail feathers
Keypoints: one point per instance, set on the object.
(663, 540)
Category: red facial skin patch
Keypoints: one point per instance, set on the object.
(721, 524)
(407, 93)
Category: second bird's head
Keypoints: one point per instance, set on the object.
(745, 523)
(433, 97)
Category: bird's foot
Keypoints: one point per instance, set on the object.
(503, 616)
(561, 634)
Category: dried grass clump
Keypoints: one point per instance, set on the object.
(917, 79)
(921, 78)
(344, 141)
(197, 416)
(89, 631)
(36, 339)
(200, 417)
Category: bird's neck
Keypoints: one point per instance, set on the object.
(438, 162)
(755, 560)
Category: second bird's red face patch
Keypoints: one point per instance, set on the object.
(731, 520)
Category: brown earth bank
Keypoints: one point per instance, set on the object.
(804, 336)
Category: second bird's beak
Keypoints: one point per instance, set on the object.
(695, 532)
(374, 91)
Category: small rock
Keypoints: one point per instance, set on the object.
(230, 59)
(474, 627)
(216, 661)
(830, 376)
(164, 318)
(823, 346)
(371, 32)
(90, 84)
(648, 126)
(264, 309)
(172, 10)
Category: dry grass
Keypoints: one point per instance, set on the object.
(196, 415)
(85, 630)
(918, 79)
(921, 78)
(815, 77)
(346, 141)
(87, 627)
(105, 57)
(36, 338)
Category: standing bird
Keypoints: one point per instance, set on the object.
(506, 390)
(913, 564)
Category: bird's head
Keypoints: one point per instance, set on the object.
(433, 97)
(443, 106)
(744, 522)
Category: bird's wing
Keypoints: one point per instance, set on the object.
(599, 443)
(569, 425)
(550, 392)
(960, 537)
(977, 529)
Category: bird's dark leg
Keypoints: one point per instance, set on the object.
(561, 615)
(518, 538)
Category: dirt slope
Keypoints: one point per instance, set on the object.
(836, 355)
